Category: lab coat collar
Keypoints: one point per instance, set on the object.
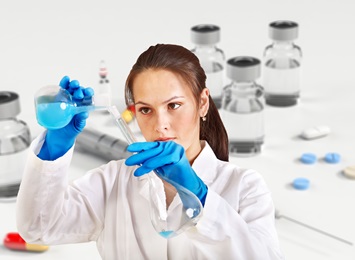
(206, 163)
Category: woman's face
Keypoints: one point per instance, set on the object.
(166, 109)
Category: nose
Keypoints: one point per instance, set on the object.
(162, 122)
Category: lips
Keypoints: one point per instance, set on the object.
(164, 139)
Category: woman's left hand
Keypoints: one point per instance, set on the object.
(169, 159)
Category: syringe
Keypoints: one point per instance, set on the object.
(279, 216)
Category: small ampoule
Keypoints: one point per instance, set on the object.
(103, 89)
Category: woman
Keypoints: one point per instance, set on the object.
(185, 141)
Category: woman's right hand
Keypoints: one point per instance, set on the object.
(58, 142)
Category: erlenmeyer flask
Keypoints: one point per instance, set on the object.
(185, 209)
(55, 107)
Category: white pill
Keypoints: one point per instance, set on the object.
(349, 172)
(315, 132)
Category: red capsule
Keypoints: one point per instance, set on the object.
(14, 241)
(132, 108)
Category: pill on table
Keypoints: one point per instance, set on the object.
(308, 158)
(332, 158)
(315, 132)
(349, 172)
(14, 241)
(129, 114)
(301, 183)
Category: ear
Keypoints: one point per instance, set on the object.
(204, 102)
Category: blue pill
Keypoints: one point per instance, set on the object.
(308, 158)
(301, 183)
(332, 158)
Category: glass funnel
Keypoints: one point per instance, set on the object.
(185, 209)
(55, 107)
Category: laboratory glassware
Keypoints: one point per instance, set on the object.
(15, 139)
(212, 59)
(103, 89)
(242, 107)
(55, 106)
(282, 65)
(184, 211)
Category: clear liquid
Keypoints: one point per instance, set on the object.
(214, 82)
(103, 93)
(103, 99)
(12, 167)
(282, 83)
(245, 131)
(14, 136)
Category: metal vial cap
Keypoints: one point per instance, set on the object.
(9, 104)
(205, 34)
(283, 30)
(243, 68)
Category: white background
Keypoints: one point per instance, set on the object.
(43, 40)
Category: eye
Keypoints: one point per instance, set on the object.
(174, 105)
(144, 110)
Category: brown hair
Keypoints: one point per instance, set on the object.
(183, 62)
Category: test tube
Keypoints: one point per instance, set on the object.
(121, 123)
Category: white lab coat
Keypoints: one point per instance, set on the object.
(109, 205)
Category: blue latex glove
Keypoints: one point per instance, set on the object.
(169, 159)
(58, 142)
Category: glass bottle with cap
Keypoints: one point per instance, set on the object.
(212, 59)
(15, 139)
(242, 107)
(103, 90)
(282, 60)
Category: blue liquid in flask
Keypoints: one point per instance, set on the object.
(57, 115)
(166, 234)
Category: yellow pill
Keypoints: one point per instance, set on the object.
(127, 115)
(349, 172)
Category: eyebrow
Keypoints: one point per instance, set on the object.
(164, 102)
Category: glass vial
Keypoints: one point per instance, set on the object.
(14, 142)
(282, 60)
(242, 108)
(103, 90)
(212, 59)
